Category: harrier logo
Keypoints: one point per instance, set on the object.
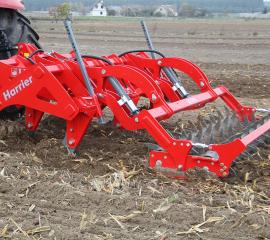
(17, 89)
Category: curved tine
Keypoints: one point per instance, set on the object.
(237, 124)
(227, 111)
(193, 137)
(246, 122)
(197, 136)
(267, 138)
(152, 146)
(246, 154)
(203, 132)
(191, 124)
(209, 133)
(213, 130)
(252, 148)
(220, 113)
(233, 171)
(253, 117)
(181, 132)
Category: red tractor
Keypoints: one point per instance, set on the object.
(14, 28)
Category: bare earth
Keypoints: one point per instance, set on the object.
(106, 191)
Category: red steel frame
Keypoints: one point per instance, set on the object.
(53, 84)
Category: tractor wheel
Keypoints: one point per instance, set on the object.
(14, 28)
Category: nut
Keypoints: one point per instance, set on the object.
(158, 163)
(202, 84)
(71, 141)
(154, 97)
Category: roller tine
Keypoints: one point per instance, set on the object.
(246, 154)
(227, 111)
(253, 117)
(209, 133)
(192, 125)
(198, 136)
(260, 142)
(154, 147)
(212, 131)
(194, 137)
(246, 121)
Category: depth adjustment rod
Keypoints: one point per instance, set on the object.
(85, 75)
(177, 83)
(263, 110)
(125, 99)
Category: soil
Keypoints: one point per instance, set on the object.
(106, 190)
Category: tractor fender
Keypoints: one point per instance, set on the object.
(12, 4)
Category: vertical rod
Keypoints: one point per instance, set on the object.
(170, 73)
(148, 38)
(76, 49)
(84, 72)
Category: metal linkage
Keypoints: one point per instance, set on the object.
(169, 72)
(79, 58)
(125, 99)
(76, 49)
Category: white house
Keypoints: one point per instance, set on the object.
(166, 11)
(99, 10)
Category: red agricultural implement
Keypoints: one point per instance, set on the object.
(78, 88)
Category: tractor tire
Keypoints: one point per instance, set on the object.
(14, 28)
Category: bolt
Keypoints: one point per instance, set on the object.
(159, 62)
(158, 163)
(206, 169)
(100, 95)
(165, 157)
(198, 161)
(103, 71)
(29, 115)
(188, 144)
(222, 164)
(180, 167)
(221, 170)
(174, 143)
(225, 168)
(181, 144)
(71, 141)
(212, 163)
(29, 125)
(136, 120)
(14, 73)
(71, 130)
(154, 97)
(224, 174)
(152, 155)
(202, 84)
